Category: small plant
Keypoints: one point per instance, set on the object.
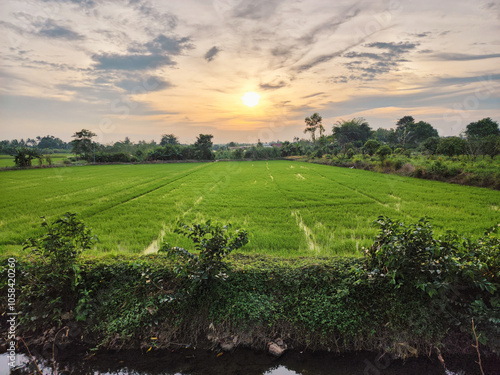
(383, 151)
(65, 239)
(212, 242)
(411, 255)
(55, 275)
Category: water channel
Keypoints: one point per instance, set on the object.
(246, 362)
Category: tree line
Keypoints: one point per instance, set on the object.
(356, 136)
(346, 139)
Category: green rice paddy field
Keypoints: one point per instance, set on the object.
(289, 208)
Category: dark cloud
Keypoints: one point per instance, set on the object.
(319, 60)
(256, 9)
(147, 56)
(394, 48)
(81, 3)
(383, 58)
(313, 95)
(463, 56)
(131, 62)
(281, 51)
(273, 86)
(466, 80)
(171, 46)
(144, 84)
(50, 29)
(211, 53)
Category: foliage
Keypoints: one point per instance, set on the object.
(82, 144)
(383, 151)
(65, 239)
(212, 243)
(24, 156)
(169, 139)
(482, 128)
(203, 146)
(54, 275)
(314, 123)
(371, 146)
(451, 146)
(356, 131)
(431, 145)
(411, 256)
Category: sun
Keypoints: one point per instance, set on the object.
(250, 99)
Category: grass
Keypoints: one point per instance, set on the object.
(57, 159)
(289, 208)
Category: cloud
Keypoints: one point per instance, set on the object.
(273, 86)
(142, 85)
(211, 53)
(331, 25)
(394, 48)
(81, 3)
(146, 56)
(131, 62)
(50, 29)
(313, 95)
(368, 65)
(256, 9)
(465, 80)
(463, 56)
(172, 46)
(152, 14)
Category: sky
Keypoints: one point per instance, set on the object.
(143, 68)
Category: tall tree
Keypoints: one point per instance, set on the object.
(313, 123)
(24, 156)
(355, 131)
(203, 146)
(421, 131)
(82, 144)
(404, 130)
(169, 139)
(482, 128)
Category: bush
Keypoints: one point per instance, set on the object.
(371, 146)
(383, 152)
(54, 266)
(213, 243)
(461, 274)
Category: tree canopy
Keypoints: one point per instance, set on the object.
(482, 128)
(314, 123)
(82, 144)
(355, 131)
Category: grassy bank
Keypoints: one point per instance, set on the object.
(412, 293)
(135, 302)
(482, 172)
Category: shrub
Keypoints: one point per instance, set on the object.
(371, 146)
(411, 255)
(213, 243)
(54, 274)
(383, 152)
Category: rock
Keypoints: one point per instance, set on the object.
(275, 349)
(227, 346)
(67, 316)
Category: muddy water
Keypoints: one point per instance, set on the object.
(245, 362)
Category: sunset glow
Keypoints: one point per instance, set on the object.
(250, 99)
(191, 67)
